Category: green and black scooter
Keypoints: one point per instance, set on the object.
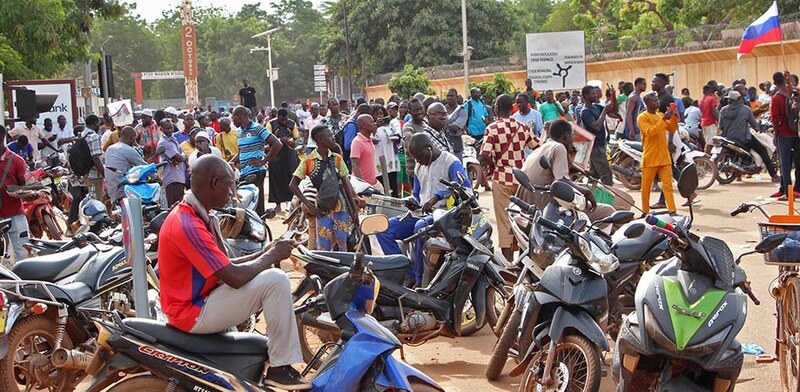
(689, 309)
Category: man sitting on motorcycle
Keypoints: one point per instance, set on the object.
(432, 165)
(734, 120)
(560, 152)
(204, 292)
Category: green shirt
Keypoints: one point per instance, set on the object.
(622, 98)
(549, 111)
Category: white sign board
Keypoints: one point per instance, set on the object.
(320, 82)
(158, 75)
(121, 112)
(65, 103)
(556, 61)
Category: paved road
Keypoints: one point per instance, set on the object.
(459, 364)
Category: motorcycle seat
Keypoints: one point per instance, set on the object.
(379, 263)
(74, 293)
(49, 243)
(635, 145)
(218, 343)
(52, 267)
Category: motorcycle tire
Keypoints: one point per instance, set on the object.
(707, 172)
(29, 328)
(586, 351)
(53, 231)
(469, 321)
(494, 308)
(474, 176)
(726, 176)
(789, 352)
(631, 183)
(500, 352)
(304, 332)
(141, 384)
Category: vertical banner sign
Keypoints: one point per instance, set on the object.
(556, 61)
(189, 49)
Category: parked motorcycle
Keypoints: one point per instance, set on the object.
(415, 316)
(38, 205)
(244, 231)
(689, 310)
(475, 171)
(734, 160)
(361, 361)
(141, 182)
(627, 161)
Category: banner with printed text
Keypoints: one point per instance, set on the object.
(556, 61)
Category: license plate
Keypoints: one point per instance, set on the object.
(716, 150)
(47, 181)
(3, 317)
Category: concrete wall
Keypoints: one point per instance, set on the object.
(692, 69)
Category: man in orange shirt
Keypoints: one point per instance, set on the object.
(656, 160)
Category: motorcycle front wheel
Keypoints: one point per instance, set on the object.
(576, 367)
(633, 183)
(706, 172)
(141, 384)
(789, 352)
(312, 339)
(53, 231)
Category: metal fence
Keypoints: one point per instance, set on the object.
(676, 41)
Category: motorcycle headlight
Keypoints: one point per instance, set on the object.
(132, 177)
(598, 260)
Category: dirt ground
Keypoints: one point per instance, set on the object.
(459, 364)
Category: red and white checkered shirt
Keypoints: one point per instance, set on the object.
(504, 142)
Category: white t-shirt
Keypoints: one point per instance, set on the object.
(386, 149)
(196, 154)
(309, 123)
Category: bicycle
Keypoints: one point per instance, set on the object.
(785, 289)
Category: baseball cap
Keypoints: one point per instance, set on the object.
(202, 134)
(147, 112)
(171, 110)
(734, 95)
(391, 105)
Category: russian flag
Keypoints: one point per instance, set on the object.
(765, 29)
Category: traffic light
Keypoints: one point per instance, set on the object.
(29, 103)
(110, 76)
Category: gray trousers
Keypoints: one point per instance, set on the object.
(598, 162)
(269, 291)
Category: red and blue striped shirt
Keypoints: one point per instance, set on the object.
(188, 258)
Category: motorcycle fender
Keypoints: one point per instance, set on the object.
(306, 286)
(39, 215)
(530, 313)
(473, 266)
(479, 299)
(398, 374)
(691, 155)
(580, 321)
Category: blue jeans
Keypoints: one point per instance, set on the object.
(785, 146)
(399, 230)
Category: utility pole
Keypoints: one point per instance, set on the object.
(87, 84)
(271, 74)
(104, 71)
(347, 49)
(465, 46)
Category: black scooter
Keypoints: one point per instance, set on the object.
(416, 316)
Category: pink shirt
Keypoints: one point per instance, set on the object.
(363, 149)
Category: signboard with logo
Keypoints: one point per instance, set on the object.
(160, 75)
(320, 81)
(189, 44)
(556, 61)
(65, 104)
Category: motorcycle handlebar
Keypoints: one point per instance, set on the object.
(553, 226)
(653, 220)
(751, 295)
(523, 205)
(744, 207)
(416, 236)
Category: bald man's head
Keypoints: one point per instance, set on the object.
(241, 116)
(127, 135)
(212, 181)
(366, 124)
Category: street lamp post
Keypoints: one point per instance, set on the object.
(465, 47)
(104, 71)
(268, 33)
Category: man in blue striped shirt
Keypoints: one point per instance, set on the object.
(253, 141)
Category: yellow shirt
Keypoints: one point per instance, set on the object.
(228, 143)
(654, 138)
(187, 148)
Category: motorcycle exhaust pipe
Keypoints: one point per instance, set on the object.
(71, 359)
(625, 172)
(732, 166)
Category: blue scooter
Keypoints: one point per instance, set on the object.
(167, 359)
(141, 182)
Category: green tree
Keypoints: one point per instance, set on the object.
(495, 87)
(411, 81)
(560, 19)
(48, 35)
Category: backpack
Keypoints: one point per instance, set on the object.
(80, 157)
(327, 186)
(791, 115)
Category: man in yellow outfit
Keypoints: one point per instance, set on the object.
(656, 159)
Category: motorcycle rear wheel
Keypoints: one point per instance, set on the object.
(141, 384)
(53, 231)
(726, 176)
(789, 352)
(39, 333)
(576, 362)
(706, 172)
(312, 339)
(632, 183)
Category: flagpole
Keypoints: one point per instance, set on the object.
(783, 48)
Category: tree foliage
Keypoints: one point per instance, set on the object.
(41, 38)
(411, 81)
(495, 87)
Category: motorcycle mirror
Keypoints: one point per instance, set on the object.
(635, 230)
(562, 191)
(770, 243)
(688, 181)
(374, 224)
(522, 179)
(621, 217)
(544, 162)
(160, 150)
